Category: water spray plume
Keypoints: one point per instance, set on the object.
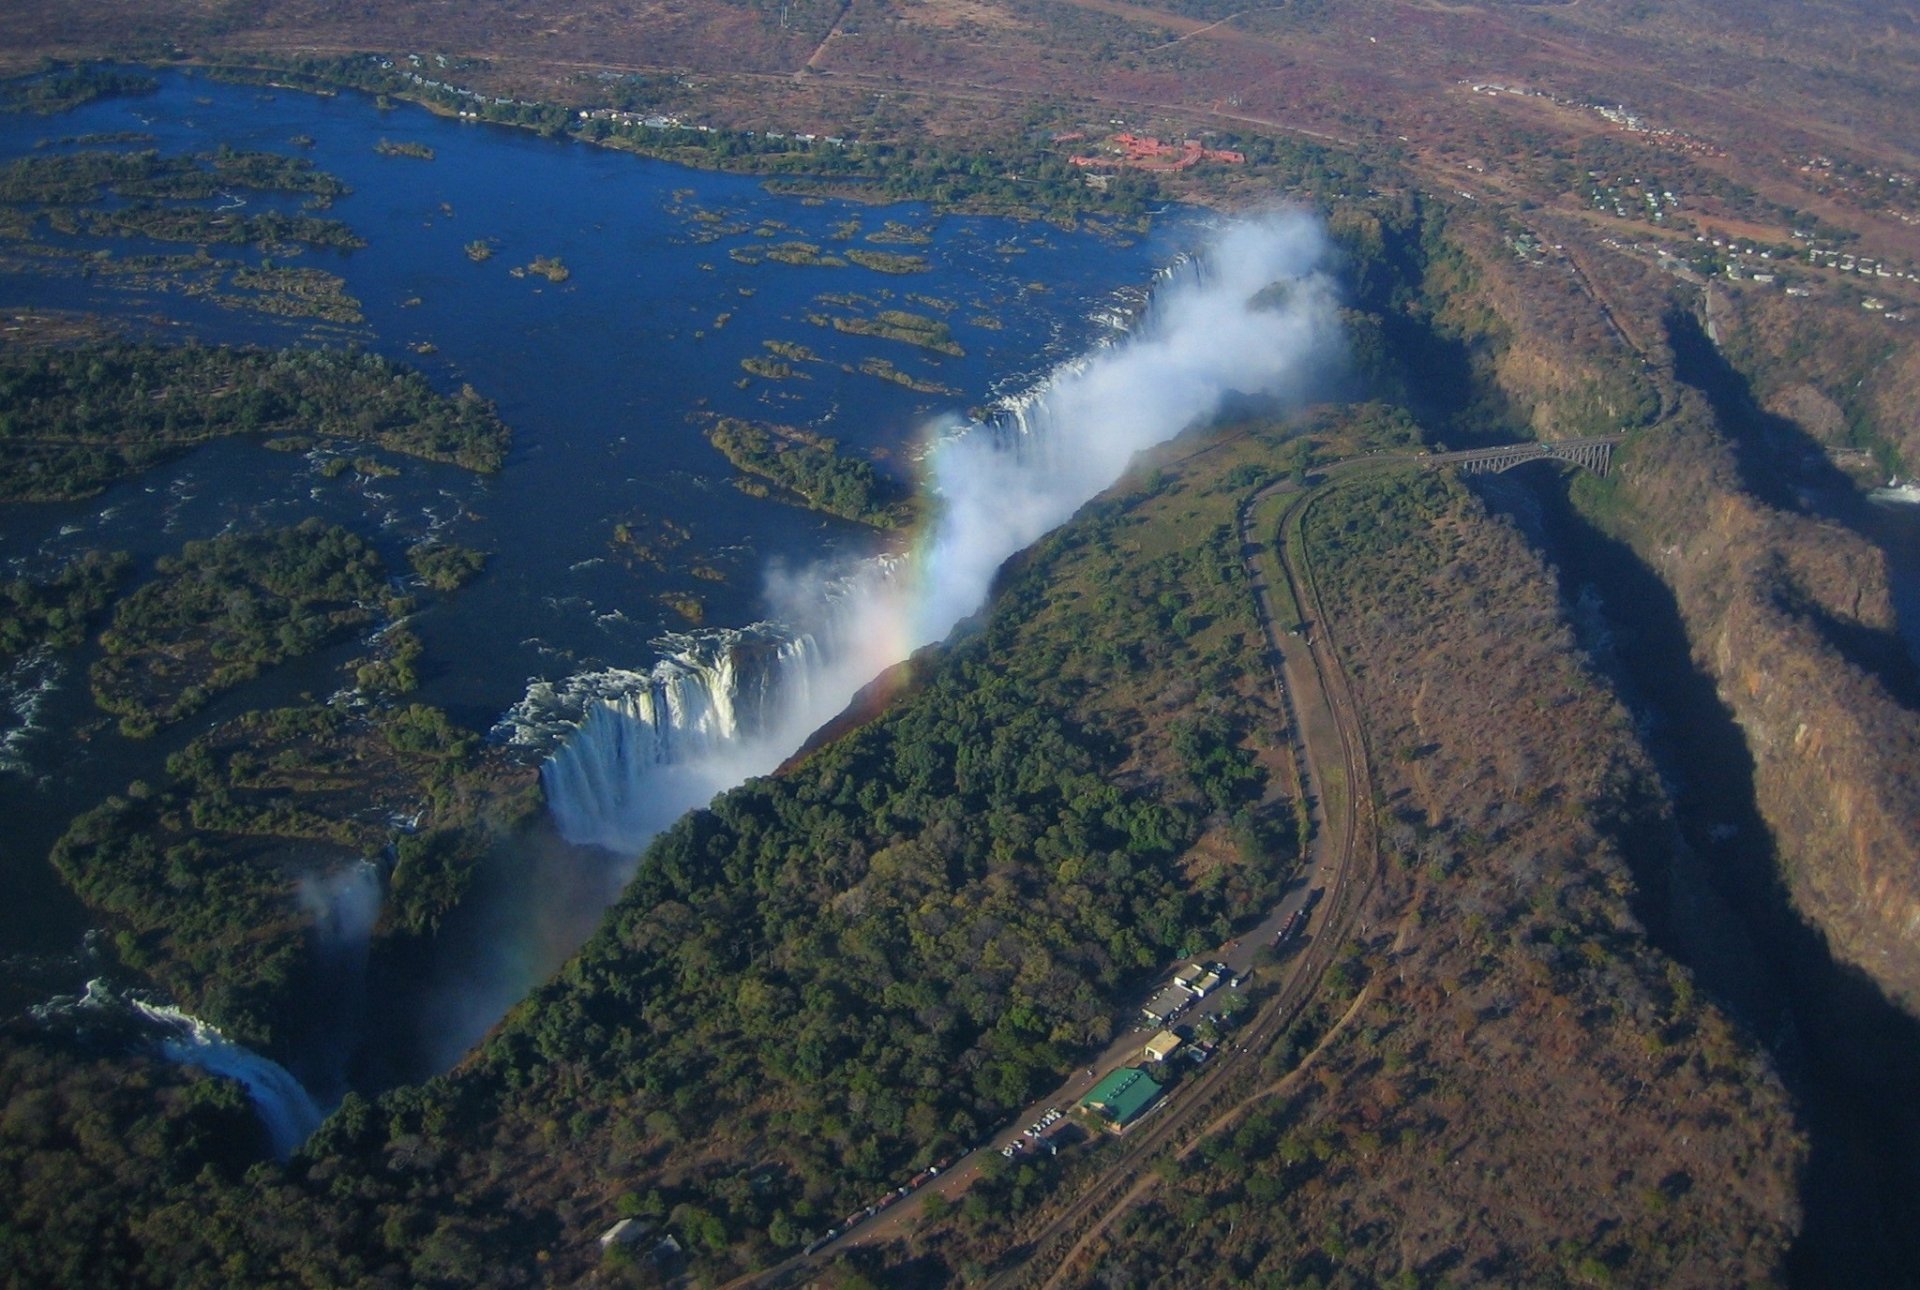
(1254, 313)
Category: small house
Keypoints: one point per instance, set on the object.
(1162, 1046)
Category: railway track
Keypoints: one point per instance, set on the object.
(1346, 866)
(1316, 699)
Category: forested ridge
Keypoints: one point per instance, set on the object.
(855, 969)
(847, 971)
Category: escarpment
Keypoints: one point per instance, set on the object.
(1790, 616)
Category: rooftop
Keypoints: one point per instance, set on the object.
(1122, 1095)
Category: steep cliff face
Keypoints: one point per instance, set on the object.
(1789, 615)
(1844, 375)
(1788, 612)
(1834, 760)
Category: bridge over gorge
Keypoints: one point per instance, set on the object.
(1595, 454)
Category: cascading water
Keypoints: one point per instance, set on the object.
(631, 751)
(284, 1106)
(628, 752)
(286, 1110)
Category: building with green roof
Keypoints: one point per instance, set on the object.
(1120, 1098)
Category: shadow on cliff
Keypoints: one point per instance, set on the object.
(1789, 470)
(1718, 904)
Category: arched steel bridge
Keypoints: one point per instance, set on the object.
(1595, 454)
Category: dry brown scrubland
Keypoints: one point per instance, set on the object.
(1836, 757)
(1765, 594)
(1530, 1093)
(1559, 366)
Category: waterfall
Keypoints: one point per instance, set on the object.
(628, 752)
(284, 1106)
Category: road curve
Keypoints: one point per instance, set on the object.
(1317, 696)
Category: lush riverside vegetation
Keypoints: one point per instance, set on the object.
(1038, 182)
(95, 1137)
(813, 468)
(185, 873)
(74, 420)
(74, 178)
(226, 608)
(65, 88)
(54, 611)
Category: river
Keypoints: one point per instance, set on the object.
(603, 378)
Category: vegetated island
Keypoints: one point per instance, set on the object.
(812, 468)
(75, 178)
(900, 325)
(550, 267)
(73, 420)
(75, 214)
(446, 566)
(224, 609)
(101, 193)
(52, 612)
(781, 367)
(885, 370)
(211, 228)
(403, 148)
(197, 875)
(797, 253)
(887, 261)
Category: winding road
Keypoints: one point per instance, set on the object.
(1330, 752)
(1341, 865)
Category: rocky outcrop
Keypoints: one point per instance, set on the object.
(1775, 605)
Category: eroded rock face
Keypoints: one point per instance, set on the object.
(1767, 598)
(1811, 410)
(1831, 372)
(1833, 759)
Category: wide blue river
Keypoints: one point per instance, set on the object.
(604, 379)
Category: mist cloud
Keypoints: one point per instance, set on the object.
(1253, 313)
(1210, 333)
